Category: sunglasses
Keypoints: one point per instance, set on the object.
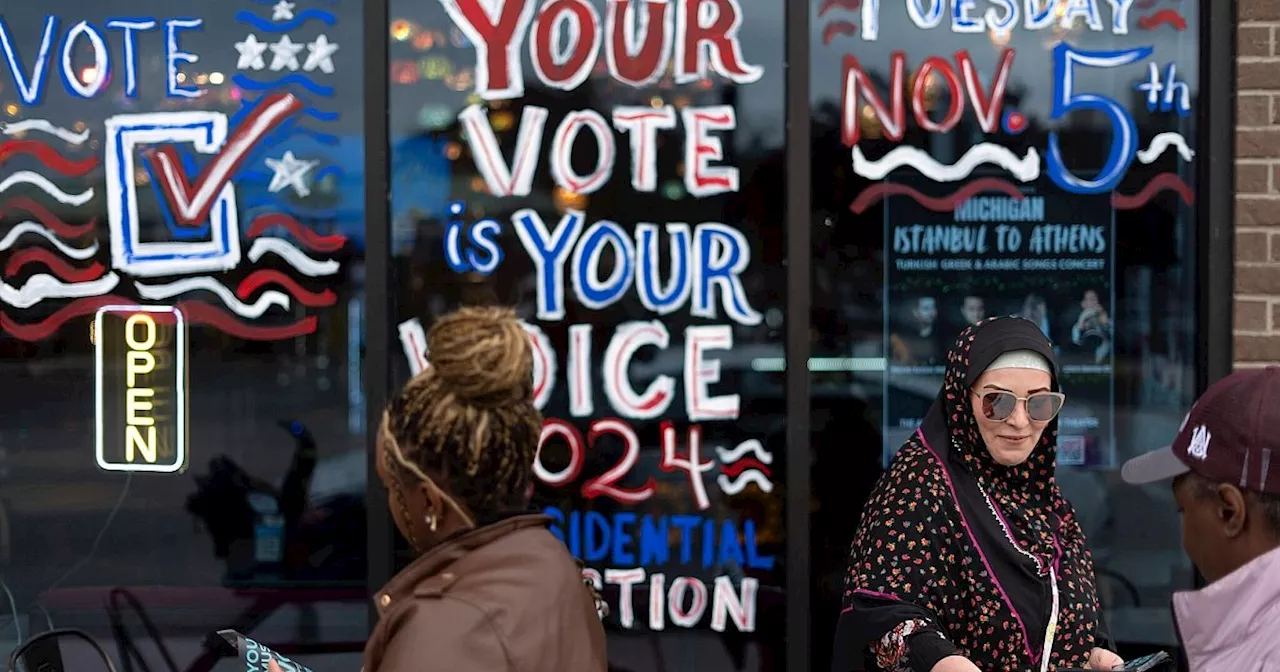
(1041, 406)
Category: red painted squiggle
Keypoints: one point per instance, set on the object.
(59, 267)
(733, 470)
(36, 331)
(875, 193)
(267, 276)
(202, 313)
(308, 238)
(1163, 17)
(836, 29)
(828, 5)
(1159, 183)
(194, 311)
(47, 156)
(47, 218)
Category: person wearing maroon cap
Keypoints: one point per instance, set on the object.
(1225, 468)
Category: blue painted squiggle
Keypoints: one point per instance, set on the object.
(255, 175)
(291, 78)
(300, 213)
(308, 110)
(322, 138)
(300, 18)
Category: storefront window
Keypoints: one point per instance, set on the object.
(614, 170)
(1025, 158)
(201, 461)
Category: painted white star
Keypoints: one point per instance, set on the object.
(282, 11)
(251, 51)
(320, 55)
(286, 54)
(289, 171)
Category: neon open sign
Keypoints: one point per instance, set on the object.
(141, 388)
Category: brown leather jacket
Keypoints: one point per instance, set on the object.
(506, 597)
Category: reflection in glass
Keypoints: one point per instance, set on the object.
(983, 190)
(659, 322)
(204, 157)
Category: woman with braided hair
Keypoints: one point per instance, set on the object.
(493, 589)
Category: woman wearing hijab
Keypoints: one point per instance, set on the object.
(967, 556)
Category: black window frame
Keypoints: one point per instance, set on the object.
(1215, 272)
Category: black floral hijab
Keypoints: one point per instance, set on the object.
(1024, 493)
(956, 553)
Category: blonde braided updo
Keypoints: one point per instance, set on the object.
(469, 417)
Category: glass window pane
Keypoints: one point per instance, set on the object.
(615, 172)
(204, 158)
(988, 161)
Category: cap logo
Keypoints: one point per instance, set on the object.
(1199, 447)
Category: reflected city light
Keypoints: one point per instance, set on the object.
(401, 30)
(502, 121)
(568, 200)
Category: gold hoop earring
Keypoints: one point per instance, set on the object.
(431, 522)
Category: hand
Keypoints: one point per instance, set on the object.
(1102, 659)
(955, 664)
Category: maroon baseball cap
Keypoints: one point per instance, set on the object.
(1230, 435)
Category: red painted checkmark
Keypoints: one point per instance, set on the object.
(190, 204)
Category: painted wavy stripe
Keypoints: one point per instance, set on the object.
(295, 257)
(203, 313)
(38, 180)
(59, 267)
(1025, 169)
(196, 313)
(748, 447)
(1163, 142)
(292, 78)
(835, 29)
(745, 464)
(204, 283)
(1159, 183)
(308, 238)
(298, 213)
(248, 104)
(44, 216)
(313, 135)
(42, 286)
(1169, 17)
(736, 485)
(47, 156)
(877, 192)
(848, 5)
(283, 27)
(270, 276)
(80, 253)
(43, 126)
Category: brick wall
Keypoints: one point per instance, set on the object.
(1257, 282)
